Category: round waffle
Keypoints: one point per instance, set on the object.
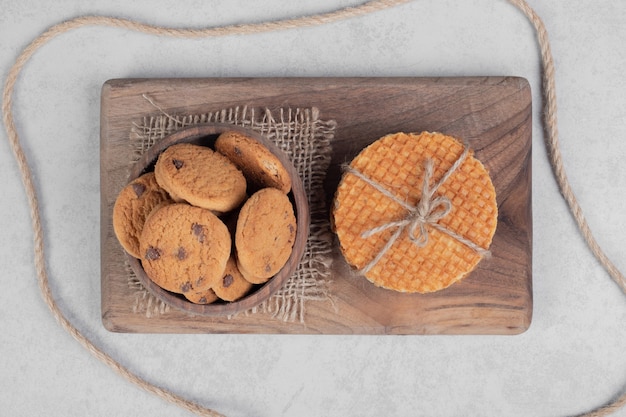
(377, 206)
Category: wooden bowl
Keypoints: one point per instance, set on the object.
(205, 135)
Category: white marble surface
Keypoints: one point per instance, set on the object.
(570, 360)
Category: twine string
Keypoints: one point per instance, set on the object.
(549, 124)
(419, 218)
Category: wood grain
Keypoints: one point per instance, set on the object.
(492, 114)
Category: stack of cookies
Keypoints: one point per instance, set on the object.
(209, 223)
(415, 212)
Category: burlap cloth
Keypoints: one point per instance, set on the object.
(306, 140)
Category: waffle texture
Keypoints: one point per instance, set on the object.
(396, 162)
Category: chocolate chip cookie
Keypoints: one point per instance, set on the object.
(260, 166)
(207, 296)
(184, 248)
(233, 285)
(132, 206)
(200, 176)
(266, 230)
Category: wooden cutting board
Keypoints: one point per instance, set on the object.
(493, 114)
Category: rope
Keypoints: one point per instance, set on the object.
(550, 126)
(552, 143)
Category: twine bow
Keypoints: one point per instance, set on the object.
(420, 218)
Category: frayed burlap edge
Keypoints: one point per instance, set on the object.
(305, 139)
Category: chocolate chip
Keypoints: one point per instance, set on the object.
(178, 163)
(199, 281)
(268, 268)
(139, 189)
(182, 253)
(291, 228)
(202, 300)
(198, 231)
(152, 254)
(237, 151)
(185, 287)
(227, 281)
